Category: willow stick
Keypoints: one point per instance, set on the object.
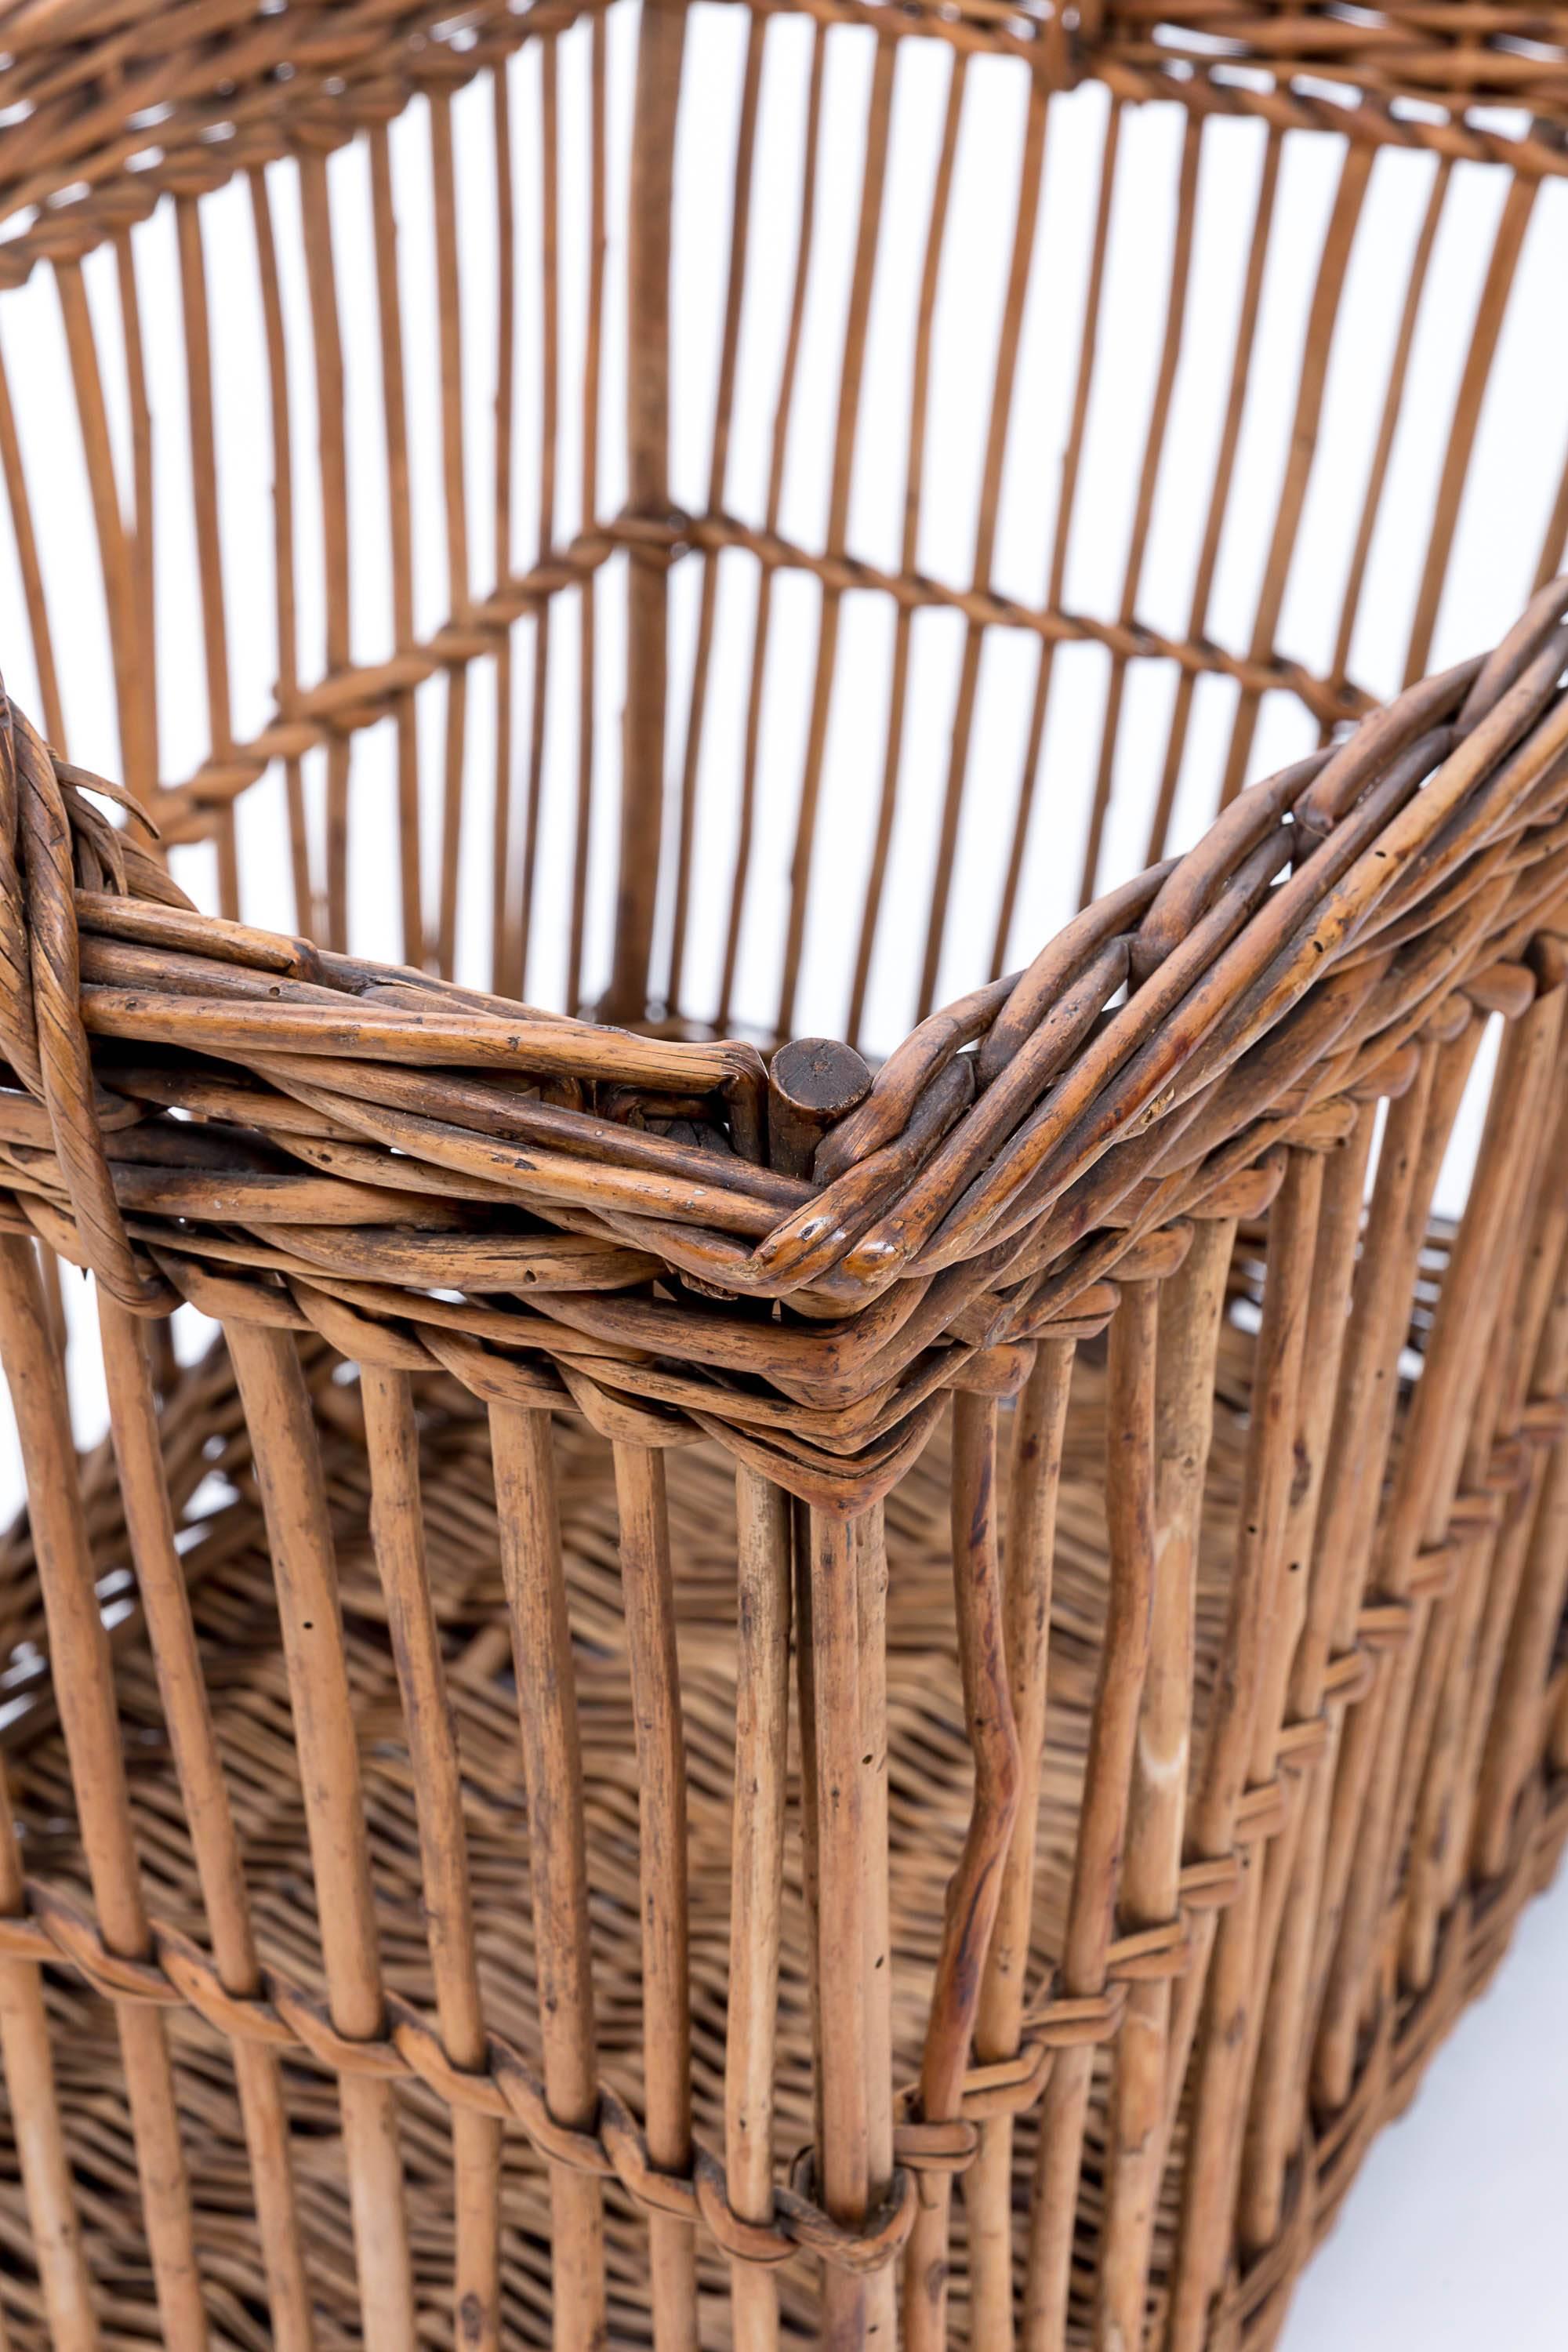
(138, 752)
(1485, 1530)
(914, 479)
(214, 1844)
(1392, 402)
(1255, 1599)
(308, 914)
(1501, 1597)
(1123, 1661)
(1513, 1737)
(1277, 1754)
(1033, 1483)
(778, 450)
(140, 521)
(449, 338)
(326, 335)
(1061, 535)
(1191, 1313)
(1415, 1139)
(1478, 1552)
(649, 1590)
(706, 559)
(1557, 1739)
(834, 1732)
(549, 407)
(1296, 1856)
(398, 1534)
(1350, 1474)
(1349, 197)
(42, 2153)
(976, 1884)
(1026, 218)
(763, 1561)
(661, 42)
(587, 667)
(846, 428)
(502, 562)
(1519, 204)
(1178, 278)
(400, 536)
(1223, 476)
(871, 1578)
(84, 1690)
(1430, 1463)
(278, 1414)
(25, 539)
(558, 1871)
(209, 546)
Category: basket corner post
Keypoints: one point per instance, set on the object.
(661, 41)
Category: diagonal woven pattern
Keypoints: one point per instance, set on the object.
(1022, 1148)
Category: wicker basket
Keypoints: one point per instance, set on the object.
(604, 1757)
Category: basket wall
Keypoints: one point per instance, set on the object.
(1030, 400)
(704, 1701)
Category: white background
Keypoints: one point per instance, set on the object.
(1452, 2237)
(1455, 2230)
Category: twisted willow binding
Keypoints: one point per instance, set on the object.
(743, 1699)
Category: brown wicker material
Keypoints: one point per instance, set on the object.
(740, 1698)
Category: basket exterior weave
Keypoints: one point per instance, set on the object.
(818, 1705)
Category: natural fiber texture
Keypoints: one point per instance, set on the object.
(1486, 54)
(742, 1697)
(929, 1782)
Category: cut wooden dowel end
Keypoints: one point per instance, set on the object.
(813, 1083)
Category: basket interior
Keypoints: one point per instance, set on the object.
(930, 1780)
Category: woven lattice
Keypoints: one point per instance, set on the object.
(741, 1693)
